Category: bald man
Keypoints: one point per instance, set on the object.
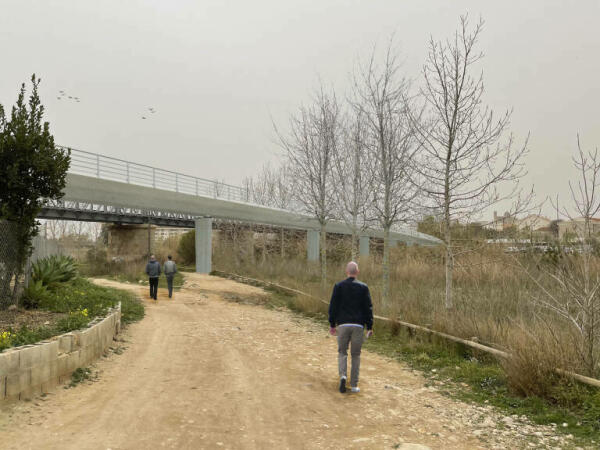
(350, 313)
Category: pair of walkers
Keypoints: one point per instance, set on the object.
(153, 271)
(350, 315)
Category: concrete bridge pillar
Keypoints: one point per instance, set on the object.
(363, 246)
(203, 245)
(312, 245)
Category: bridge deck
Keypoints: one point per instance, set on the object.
(131, 203)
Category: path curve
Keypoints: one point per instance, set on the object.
(210, 369)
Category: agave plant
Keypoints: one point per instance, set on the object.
(34, 294)
(54, 269)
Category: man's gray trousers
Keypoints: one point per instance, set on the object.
(354, 336)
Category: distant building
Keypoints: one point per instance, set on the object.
(576, 227)
(533, 222)
(500, 223)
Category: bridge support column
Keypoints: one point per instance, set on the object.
(203, 245)
(312, 245)
(363, 246)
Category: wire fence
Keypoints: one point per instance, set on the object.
(13, 277)
(10, 282)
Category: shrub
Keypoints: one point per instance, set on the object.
(34, 294)
(187, 247)
(53, 270)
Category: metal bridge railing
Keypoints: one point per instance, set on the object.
(108, 168)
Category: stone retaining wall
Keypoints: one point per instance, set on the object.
(31, 370)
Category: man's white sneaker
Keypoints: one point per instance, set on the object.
(355, 389)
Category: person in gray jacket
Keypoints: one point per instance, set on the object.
(170, 270)
(153, 272)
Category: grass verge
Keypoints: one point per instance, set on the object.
(466, 375)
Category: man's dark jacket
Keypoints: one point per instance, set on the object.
(351, 303)
(153, 269)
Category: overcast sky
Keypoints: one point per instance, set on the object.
(217, 72)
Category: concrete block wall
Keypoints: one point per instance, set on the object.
(31, 370)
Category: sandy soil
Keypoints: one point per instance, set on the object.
(205, 370)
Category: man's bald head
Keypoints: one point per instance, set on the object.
(352, 269)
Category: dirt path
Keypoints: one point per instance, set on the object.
(205, 371)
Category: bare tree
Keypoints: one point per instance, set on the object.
(463, 159)
(352, 174)
(310, 145)
(570, 289)
(380, 96)
(55, 229)
(272, 187)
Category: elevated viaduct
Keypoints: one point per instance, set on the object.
(105, 189)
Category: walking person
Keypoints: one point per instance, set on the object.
(350, 312)
(170, 269)
(153, 272)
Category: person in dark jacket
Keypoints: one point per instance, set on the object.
(153, 272)
(350, 312)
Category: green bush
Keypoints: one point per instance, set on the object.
(34, 294)
(187, 247)
(53, 270)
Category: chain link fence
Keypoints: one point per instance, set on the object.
(10, 281)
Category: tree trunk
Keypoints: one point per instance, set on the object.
(448, 233)
(353, 249)
(386, 267)
(323, 256)
(449, 270)
(282, 244)
(264, 247)
(234, 246)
